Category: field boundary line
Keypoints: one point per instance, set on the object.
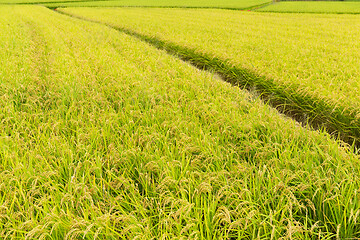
(308, 110)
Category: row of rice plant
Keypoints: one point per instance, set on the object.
(313, 7)
(105, 137)
(308, 63)
(11, 2)
(228, 4)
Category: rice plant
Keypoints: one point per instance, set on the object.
(307, 64)
(103, 136)
(313, 7)
(227, 4)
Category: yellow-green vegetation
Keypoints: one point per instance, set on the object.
(37, 1)
(309, 63)
(232, 4)
(103, 136)
(313, 7)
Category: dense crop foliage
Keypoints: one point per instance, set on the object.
(104, 136)
(232, 4)
(308, 62)
(313, 7)
(37, 1)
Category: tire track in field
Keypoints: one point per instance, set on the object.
(289, 103)
(263, 6)
(39, 52)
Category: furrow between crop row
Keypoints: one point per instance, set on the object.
(304, 108)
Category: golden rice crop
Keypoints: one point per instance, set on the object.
(313, 7)
(105, 137)
(34, 1)
(310, 63)
(229, 4)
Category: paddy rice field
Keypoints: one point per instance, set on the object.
(166, 120)
(232, 4)
(226, 4)
(338, 7)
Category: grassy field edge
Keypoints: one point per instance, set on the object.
(307, 109)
